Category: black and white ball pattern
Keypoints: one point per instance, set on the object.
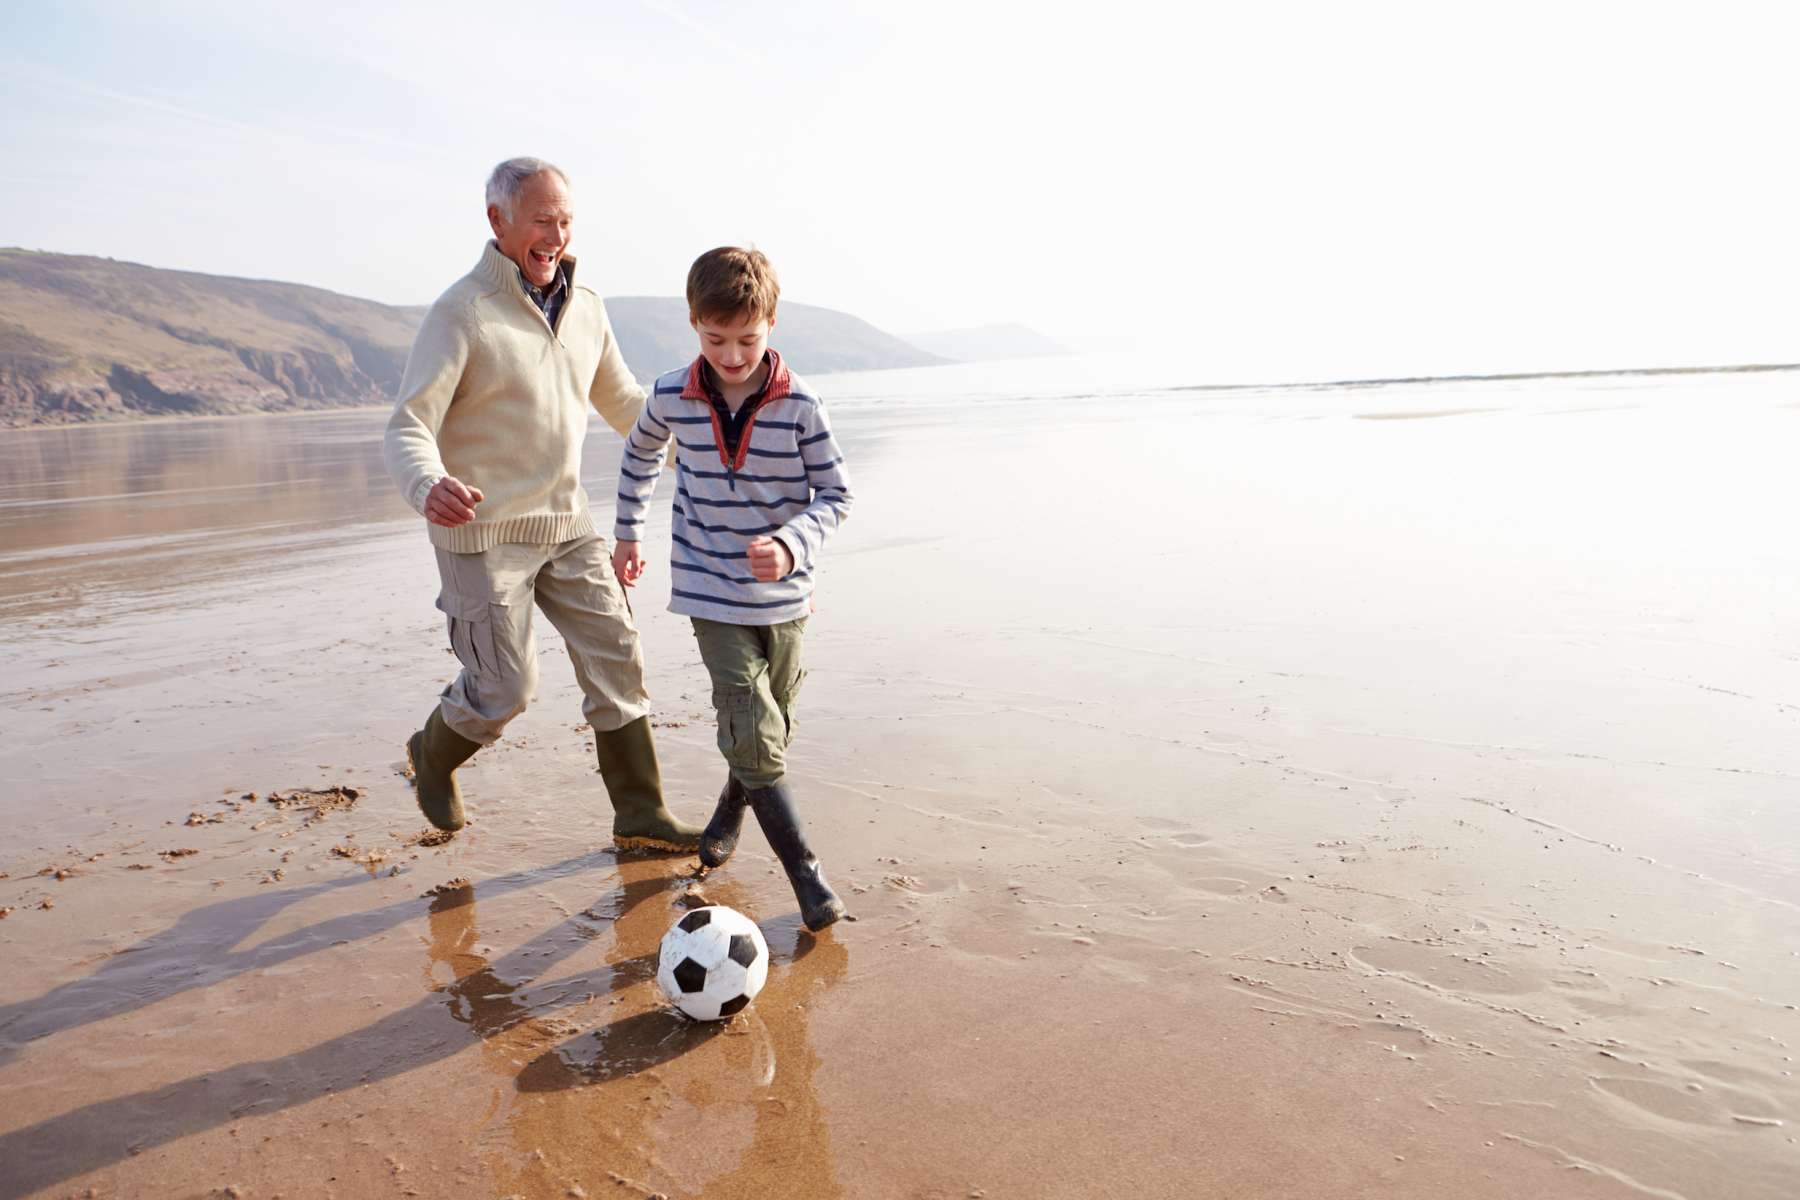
(713, 962)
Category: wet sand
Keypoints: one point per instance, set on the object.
(1333, 793)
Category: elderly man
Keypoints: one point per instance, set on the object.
(485, 442)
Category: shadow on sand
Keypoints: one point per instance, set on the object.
(484, 997)
(197, 951)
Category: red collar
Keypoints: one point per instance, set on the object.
(780, 382)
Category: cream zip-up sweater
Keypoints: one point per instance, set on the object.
(494, 396)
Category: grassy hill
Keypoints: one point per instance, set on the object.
(85, 339)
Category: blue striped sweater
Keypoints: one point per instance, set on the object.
(787, 480)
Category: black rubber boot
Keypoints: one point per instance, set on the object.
(434, 753)
(774, 808)
(634, 782)
(721, 836)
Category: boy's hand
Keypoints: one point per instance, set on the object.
(451, 502)
(769, 559)
(628, 564)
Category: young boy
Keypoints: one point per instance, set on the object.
(759, 484)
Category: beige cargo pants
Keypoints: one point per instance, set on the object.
(488, 596)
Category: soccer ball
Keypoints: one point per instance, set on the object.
(713, 962)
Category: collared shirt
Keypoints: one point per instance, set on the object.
(731, 424)
(549, 300)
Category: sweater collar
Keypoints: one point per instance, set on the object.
(780, 382)
(503, 272)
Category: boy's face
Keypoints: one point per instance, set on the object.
(733, 346)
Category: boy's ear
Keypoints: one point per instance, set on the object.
(693, 322)
(771, 320)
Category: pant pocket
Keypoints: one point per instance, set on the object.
(738, 741)
(785, 698)
(471, 631)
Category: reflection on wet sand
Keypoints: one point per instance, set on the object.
(491, 1003)
(791, 1139)
(85, 513)
(69, 487)
(649, 1096)
(93, 514)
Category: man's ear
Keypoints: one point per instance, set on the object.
(496, 222)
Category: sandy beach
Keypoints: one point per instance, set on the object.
(1313, 793)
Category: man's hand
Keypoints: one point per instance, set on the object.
(450, 502)
(769, 559)
(628, 564)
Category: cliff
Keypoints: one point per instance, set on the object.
(86, 339)
(93, 339)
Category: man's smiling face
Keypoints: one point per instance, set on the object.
(535, 234)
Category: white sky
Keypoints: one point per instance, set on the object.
(1273, 190)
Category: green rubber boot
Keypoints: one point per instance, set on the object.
(434, 753)
(634, 782)
(721, 837)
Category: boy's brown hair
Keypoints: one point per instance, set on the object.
(732, 284)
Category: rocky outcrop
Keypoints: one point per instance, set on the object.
(271, 383)
(87, 339)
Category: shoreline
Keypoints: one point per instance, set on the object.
(1288, 386)
(1502, 377)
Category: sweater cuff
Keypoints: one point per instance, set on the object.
(419, 492)
(794, 549)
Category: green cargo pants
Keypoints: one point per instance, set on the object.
(756, 675)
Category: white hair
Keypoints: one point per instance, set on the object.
(508, 180)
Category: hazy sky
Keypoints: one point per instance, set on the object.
(1278, 190)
